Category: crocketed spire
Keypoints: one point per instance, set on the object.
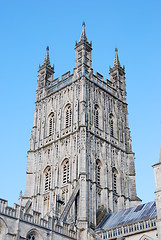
(47, 59)
(160, 155)
(116, 60)
(83, 36)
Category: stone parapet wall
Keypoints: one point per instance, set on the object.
(16, 220)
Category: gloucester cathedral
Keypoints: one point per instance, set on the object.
(80, 177)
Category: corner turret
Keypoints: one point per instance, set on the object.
(117, 77)
(45, 76)
(83, 54)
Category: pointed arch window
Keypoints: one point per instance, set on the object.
(114, 180)
(66, 171)
(96, 116)
(51, 124)
(68, 116)
(47, 179)
(98, 172)
(111, 127)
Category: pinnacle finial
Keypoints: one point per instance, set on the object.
(83, 34)
(160, 155)
(47, 59)
(20, 196)
(116, 60)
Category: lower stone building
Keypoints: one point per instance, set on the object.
(80, 180)
(140, 223)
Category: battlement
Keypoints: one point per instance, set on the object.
(105, 84)
(36, 219)
(9, 211)
(67, 78)
(56, 84)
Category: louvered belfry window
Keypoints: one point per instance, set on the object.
(96, 117)
(47, 178)
(98, 173)
(114, 183)
(51, 124)
(114, 180)
(111, 128)
(66, 172)
(68, 116)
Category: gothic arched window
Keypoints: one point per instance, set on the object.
(47, 173)
(33, 235)
(51, 124)
(114, 180)
(68, 116)
(111, 127)
(98, 172)
(66, 171)
(96, 119)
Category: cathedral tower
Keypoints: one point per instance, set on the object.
(80, 162)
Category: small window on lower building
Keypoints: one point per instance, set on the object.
(31, 236)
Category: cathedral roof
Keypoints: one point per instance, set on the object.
(130, 215)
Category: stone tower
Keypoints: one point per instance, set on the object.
(80, 162)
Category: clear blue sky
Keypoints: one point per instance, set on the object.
(27, 27)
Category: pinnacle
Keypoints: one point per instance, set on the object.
(83, 34)
(47, 59)
(116, 60)
(160, 155)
